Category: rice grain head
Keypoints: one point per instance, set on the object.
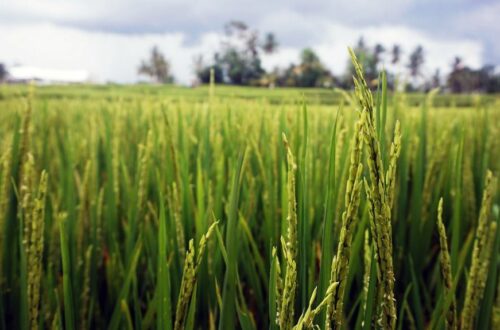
(349, 217)
(34, 250)
(444, 259)
(191, 265)
(379, 198)
(289, 246)
(480, 255)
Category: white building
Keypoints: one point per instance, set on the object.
(22, 74)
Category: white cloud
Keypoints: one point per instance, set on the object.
(147, 15)
(481, 23)
(107, 56)
(111, 56)
(112, 35)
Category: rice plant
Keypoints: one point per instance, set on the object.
(134, 207)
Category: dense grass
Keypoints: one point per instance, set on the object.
(276, 96)
(135, 173)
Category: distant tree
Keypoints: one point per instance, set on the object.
(3, 72)
(436, 79)
(238, 62)
(270, 43)
(235, 26)
(241, 69)
(489, 81)
(309, 57)
(360, 46)
(367, 60)
(396, 54)
(416, 61)
(202, 70)
(240, 58)
(156, 67)
(310, 72)
(463, 79)
(377, 53)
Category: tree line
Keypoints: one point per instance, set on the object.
(238, 62)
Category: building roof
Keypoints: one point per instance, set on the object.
(24, 73)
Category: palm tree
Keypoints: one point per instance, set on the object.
(416, 61)
(396, 54)
(377, 52)
(270, 43)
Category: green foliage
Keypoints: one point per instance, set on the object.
(463, 79)
(135, 173)
(238, 61)
(310, 72)
(156, 67)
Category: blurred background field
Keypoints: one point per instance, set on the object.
(276, 96)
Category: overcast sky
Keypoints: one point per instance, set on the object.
(109, 38)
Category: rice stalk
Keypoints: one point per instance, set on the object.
(307, 318)
(289, 246)
(83, 208)
(379, 197)
(468, 182)
(432, 173)
(191, 265)
(26, 191)
(25, 143)
(99, 226)
(26, 163)
(279, 286)
(390, 178)
(366, 271)
(187, 285)
(444, 259)
(85, 295)
(54, 258)
(115, 165)
(349, 216)
(495, 319)
(5, 189)
(34, 250)
(143, 172)
(480, 255)
(175, 206)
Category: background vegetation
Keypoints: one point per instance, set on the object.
(238, 62)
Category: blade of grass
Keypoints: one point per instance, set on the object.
(69, 312)
(372, 291)
(116, 317)
(227, 318)
(328, 218)
(164, 309)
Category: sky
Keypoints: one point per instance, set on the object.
(109, 38)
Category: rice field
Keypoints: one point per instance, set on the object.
(220, 208)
